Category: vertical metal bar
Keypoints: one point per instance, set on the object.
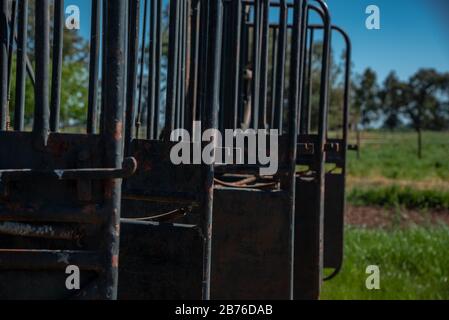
(244, 84)
(274, 53)
(258, 11)
(170, 112)
(157, 92)
(11, 50)
(188, 52)
(92, 108)
(306, 123)
(142, 69)
(256, 64)
(323, 114)
(308, 275)
(4, 29)
(281, 59)
(41, 124)
(211, 102)
(58, 34)
(302, 116)
(202, 50)
(21, 65)
(184, 63)
(131, 82)
(295, 81)
(224, 84)
(236, 63)
(152, 70)
(178, 66)
(265, 22)
(346, 94)
(231, 63)
(104, 70)
(112, 135)
(193, 74)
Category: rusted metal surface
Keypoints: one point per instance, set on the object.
(188, 231)
(310, 188)
(250, 255)
(160, 261)
(60, 193)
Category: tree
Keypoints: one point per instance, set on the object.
(366, 98)
(365, 102)
(424, 107)
(392, 99)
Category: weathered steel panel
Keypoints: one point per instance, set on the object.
(251, 245)
(334, 209)
(308, 241)
(160, 261)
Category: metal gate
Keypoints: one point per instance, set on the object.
(172, 261)
(60, 193)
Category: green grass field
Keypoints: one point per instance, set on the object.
(394, 156)
(413, 261)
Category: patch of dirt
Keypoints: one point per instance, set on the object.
(377, 217)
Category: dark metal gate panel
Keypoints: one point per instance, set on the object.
(251, 245)
(158, 178)
(334, 209)
(308, 241)
(160, 261)
(60, 193)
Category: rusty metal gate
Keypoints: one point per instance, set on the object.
(165, 260)
(60, 193)
(187, 231)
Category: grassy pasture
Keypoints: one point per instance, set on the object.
(393, 156)
(413, 263)
(413, 259)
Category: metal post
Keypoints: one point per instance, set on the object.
(264, 64)
(295, 81)
(274, 53)
(4, 29)
(157, 91)
(153, 69)
(142, 67)
(211, 103)
(112, 136)
(21, 65)
(258, 11)
(41, 123)
(133, 48)
(281, 59)
(231, 64)
(58, 35)
(92, 112)
(12, 34)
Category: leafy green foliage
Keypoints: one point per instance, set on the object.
(394, 196)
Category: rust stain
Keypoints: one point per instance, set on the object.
(118, 134)
(115, 261)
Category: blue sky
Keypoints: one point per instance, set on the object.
(414, 33)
